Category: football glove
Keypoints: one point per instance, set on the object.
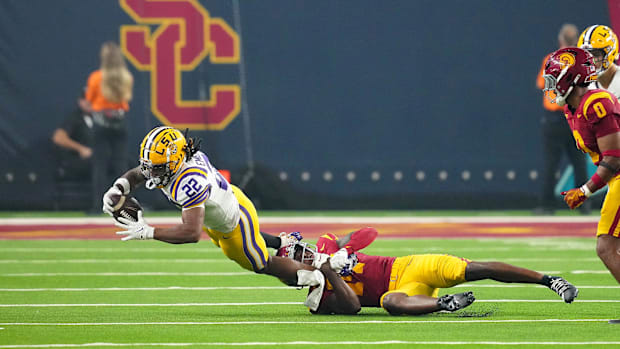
(338, 260)
(349, 265)
(574, 197)
(139, 230)
(120, 187)
(289, 239)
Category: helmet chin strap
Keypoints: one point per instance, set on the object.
(150, 184)
(560, 101)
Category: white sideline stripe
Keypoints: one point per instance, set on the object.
(319, 219)
(295, 343)
(272, 303)
(147, 304)
(205, 260)
(109, 261)
(165, 249)
(243, 323)
(170, 288)
(250, 288)
(135, 274)
(228, 273)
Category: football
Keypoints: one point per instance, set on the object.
(126, 207)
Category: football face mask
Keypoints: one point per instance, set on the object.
(300, 251)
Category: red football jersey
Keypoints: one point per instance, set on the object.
(598, 115)
(371, 276)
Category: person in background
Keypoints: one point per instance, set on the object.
(557, 137)
(74, 140)
(108, 93)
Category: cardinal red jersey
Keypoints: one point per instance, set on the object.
(370, 279)
(598, 115)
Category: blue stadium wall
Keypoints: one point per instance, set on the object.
(343, 104)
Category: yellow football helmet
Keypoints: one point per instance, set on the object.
(600, 37)
(162, 153)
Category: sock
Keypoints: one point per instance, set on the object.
(546, 280)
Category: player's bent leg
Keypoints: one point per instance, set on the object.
(401, 304)
(608, 250)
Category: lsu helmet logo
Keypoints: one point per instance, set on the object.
(183, 35)
(566, 59)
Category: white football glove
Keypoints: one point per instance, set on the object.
(319, 260)
(339, 259)
(139, 230)
(120, 187)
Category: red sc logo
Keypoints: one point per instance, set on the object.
(185, 36)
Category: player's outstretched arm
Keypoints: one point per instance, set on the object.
(187, 232)
(343, 300)
(122, 186)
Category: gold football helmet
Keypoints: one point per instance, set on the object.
(602, 39)
(162, 153)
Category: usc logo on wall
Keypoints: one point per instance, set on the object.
(184, 36)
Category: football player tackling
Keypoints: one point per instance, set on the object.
(403, 285)
(594, 117)
(173, 164)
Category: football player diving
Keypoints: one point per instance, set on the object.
(174, 164)
(406, 285)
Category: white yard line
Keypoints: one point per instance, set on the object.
(170, 288)
(222, 260)
(241, 273)
(300, 343)
(244, 323)
(250, 288)
(138, 305)
(111, 261)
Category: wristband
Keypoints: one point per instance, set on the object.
(612, 152)
(598, 182)
(586, 191)
(123, 184)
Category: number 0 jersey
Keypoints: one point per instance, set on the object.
(598, 115)
(198, 183)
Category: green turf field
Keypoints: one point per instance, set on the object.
(102, 294)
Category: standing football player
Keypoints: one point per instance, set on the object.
(404, 285)
(185, 176)
(602, 43)
(594, 118)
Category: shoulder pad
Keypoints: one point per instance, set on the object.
(598, 105)
(191, 188)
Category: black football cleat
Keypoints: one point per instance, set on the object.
(454, 302)
(564, 289)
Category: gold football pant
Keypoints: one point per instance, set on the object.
(244, 244)
(610, 212)
(425, 274)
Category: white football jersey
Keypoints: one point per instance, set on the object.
(614, 86)
(198, 183)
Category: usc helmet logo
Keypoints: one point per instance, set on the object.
(566, 59)
(185, 35)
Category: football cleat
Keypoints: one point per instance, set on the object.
(564, 289)
(454, 302)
